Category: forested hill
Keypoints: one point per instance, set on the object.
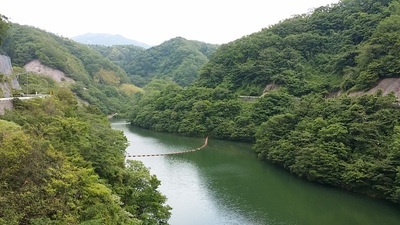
(345, 46)
(177, 59)
(122, 55)
(100, 71)
(348, 142)
(24, 44)
(98, 80)
(63, 164)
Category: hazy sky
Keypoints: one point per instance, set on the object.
(155, 21)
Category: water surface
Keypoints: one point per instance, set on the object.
(225, 184)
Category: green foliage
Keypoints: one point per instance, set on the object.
(33, 82)
(345, 142)
(197, 111)
(131, 89)
(378, 57)
(4, 26)
(351, 143)
(346, 45)
(109, 99)
(80, 62)
(64, 164)
(348, 142)
(3, 78)
(91, 71)
(24, 44)
(178, 60)
(137, 189)
(121, 55)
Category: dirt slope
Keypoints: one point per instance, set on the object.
(386, 85)
(37, 67)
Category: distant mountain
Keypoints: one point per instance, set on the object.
(177, 59)
(107, 40)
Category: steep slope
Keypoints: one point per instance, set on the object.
(122, 55)
(348, 45)
(347, 142)
(177, 59)
(37, 67)
(64, 164)
(24, 44)
(97, 79)
(7, 82)
(107, 40)
(387, 86)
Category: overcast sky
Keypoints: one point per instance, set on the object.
(155, 21)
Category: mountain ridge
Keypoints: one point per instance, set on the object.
(177, 59)
(107, 40)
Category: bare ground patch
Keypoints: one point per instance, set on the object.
(37, 67)
(386, 85)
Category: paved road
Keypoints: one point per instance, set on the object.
(25, 98)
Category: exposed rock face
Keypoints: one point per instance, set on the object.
(37, 67)
(5, 65)
(387, 85)
(6, 69)
(270, 87)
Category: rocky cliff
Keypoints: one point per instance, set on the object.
(7, 83)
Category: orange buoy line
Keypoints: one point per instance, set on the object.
(171, 153)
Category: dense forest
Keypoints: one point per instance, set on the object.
(64, 164)
(295, 67)
(98, 81)
(346, 46)
(302, 74)
(121, 55)
(106, 76)
(178, 60)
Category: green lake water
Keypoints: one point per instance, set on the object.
(225, 184)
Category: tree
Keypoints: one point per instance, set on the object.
(4, 25)
(138, 190)
(64, 164)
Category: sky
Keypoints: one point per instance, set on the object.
(156, 21)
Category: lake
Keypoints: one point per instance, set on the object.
(225, 184)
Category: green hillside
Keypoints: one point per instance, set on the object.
(64, 164)
(61, 162)
(121, 55)
(291, 69)
(178, 60)
(97, 78)
(347, 142)
(345, 46)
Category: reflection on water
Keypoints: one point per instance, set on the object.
(225, 184)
